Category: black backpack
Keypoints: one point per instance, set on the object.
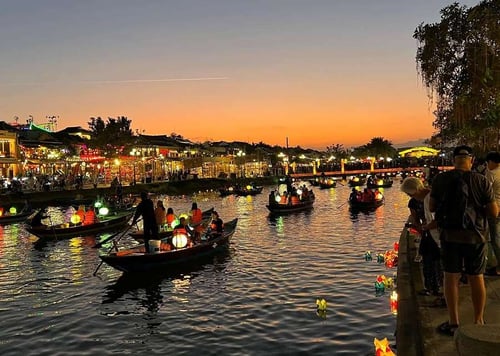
(456, 211)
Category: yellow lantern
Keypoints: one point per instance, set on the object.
(277, 198)
(249, 187)
(179, 240)
(75, 219)
(103, 211)
(13, 210)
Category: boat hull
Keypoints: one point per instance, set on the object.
(136, 261)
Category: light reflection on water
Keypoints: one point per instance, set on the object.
(258, 298)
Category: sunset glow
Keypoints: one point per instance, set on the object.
(319, 73)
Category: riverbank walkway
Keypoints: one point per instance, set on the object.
(418, 317)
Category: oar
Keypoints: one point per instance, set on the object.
(99, 244)
(340, 206)
(123, 234)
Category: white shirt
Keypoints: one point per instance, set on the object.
(494, 177)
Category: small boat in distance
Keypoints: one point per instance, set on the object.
(13, 216)
(288, 199)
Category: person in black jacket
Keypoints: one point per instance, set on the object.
(146, 209)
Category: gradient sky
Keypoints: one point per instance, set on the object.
(319, 72)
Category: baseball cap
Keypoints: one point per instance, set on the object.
(462, 150)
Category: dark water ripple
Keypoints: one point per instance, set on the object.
(257, 299)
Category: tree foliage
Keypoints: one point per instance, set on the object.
(113, 137)
(458, 59)
(337, 150)
(377, 147)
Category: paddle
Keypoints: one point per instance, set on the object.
(340, 206)
(109, 238)
(114, 245)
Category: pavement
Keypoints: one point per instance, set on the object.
(418, 318)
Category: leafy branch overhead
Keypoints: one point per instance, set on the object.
(113, 137)
(458, 59)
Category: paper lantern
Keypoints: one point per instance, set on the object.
(382, 347)
(98, 204)
(179, 240)
(394, 302)
(299, 192)
(75, 219)
(321, 304)
(379, 284)
(249, 187)
(174, 223)
(368, 256)
(396, 246)
(380, 258)
(13, 210)
(277, 198)
(103, 211)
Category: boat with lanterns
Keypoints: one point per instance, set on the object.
(249, 189)
(356, 182)
(375, 182)
(327, 183)
(166, 232)
(177, 250)
(288, 199)
(114, 221)
(13, 216)
(366, 202)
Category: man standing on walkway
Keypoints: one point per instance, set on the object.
(462, 200)
(493, 175)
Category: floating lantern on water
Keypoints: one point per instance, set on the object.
(396, 246)
(379, 284)
(389, 283)
(75, 219)
(321, 306)
(179, 240)
(394, 302)
(382, 347)
(380, 258)
(13, 210)
(368, 256)
(103, 211)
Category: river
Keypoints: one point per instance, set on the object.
(257, 299)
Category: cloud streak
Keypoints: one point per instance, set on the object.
(123, 81)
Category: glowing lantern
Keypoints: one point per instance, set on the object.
(380, 182)
(321, 308)
(368, 256)
(1, 211)
(277, 198)
(396, 246)
(13, 210)
(394, 302)
(75, 219)
(379, 284)
(174, 223)
(179, 240)
(382, 347)
(98, 204)
(249, 187)
(299, 191)
(389, 283)
(103, 211)
(184, 215)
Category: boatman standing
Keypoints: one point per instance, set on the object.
(146, 209)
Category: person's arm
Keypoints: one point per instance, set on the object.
(492, 209)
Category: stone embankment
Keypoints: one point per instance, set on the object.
(418, 316)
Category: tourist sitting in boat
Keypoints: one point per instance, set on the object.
(216, 227)
(170, 218)
(195, 215)
(284, 198)
(81, 213)
(355, 195)
(90, 216)
(368, 195)
(160, 215)
(183, 229)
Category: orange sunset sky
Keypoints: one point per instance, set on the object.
(319, 72)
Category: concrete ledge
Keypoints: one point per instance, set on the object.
(478, 340)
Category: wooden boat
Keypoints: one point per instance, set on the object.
(248, 190)
(327, 184)
(381, 183)
(205, 218)
(278, 208)
(366, 205)
(134, 260)
(224, 192)
(356, 182)
(22, 216)
(115, 221)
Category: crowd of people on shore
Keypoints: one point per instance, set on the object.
(456, 214)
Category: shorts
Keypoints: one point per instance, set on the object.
(458, 257)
